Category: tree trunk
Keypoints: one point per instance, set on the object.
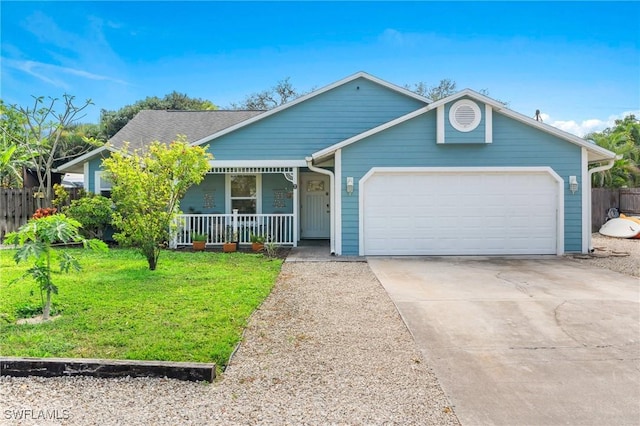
(153, 261)
(47, 307)
(152, 255)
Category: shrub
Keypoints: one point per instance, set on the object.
(94, 214)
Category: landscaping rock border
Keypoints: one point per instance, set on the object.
(53, 367)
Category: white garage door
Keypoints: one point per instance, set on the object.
(460, 212)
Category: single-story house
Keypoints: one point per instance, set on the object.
(380, 170)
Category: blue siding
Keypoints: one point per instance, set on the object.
(207, 197)
(452, 135)
(95, 165)
(198, 198)
(277, 194)
(412, 144)
(315, 124)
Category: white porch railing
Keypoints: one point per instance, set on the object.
(219, 228)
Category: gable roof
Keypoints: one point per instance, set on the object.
(164, 125)
(595, 152)
(313, 94)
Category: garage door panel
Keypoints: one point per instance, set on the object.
(463, 213)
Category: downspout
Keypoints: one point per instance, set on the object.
(591, 172)
(332, 194)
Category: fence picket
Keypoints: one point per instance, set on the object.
(17, 205)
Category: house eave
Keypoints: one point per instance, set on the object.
(76, 165)
(257, 163)
(595, 153)
(308, 96)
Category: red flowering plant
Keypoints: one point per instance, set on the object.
(44, 212)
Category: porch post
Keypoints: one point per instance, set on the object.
(235, 224)
(296, 207)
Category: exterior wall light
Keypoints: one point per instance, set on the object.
(573, 184)
(350, 185)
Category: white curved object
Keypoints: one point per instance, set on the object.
(621, 228)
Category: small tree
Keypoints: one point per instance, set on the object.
(147, 188)
(36, 239)
(46, 138)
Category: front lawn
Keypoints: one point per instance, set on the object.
(192, 308)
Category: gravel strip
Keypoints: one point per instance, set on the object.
(326, 347)
(617, 254)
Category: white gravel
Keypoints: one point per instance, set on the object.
(326, 347)
(617, 254)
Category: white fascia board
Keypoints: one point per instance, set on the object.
(601, 154)
(313, 94)
(394, 87)
(331, 149)
(257, 163)
(89, 155)
(466, 92)
(472, 94)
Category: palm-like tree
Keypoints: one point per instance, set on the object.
(624, 140)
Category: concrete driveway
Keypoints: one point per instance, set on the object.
(542, 341)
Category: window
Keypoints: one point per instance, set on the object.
(243, 193)
(102, 185)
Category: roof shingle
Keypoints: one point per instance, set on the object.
(151, 125)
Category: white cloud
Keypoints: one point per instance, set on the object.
(52, 74)
(586, 126)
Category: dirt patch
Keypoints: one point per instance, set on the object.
(37, 320)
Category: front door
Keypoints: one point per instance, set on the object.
(315, 206)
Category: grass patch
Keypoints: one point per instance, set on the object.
(192, 308)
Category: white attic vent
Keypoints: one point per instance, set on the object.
(464, 115)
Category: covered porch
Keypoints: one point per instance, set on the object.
(220, 228)
(237, 200)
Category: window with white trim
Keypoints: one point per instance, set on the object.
(102, 185)
(243, 193)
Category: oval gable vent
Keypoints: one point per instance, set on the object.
(464, 115)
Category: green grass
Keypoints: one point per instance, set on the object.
(192, 308)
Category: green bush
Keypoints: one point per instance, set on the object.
(93, 212)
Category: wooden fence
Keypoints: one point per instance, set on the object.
(18, 205)
(626, 200)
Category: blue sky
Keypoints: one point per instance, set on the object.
(578, 62)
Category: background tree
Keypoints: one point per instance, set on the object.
(624, 140)
(47, 140)
(277, 95)
(13, 155)
(36, 239)
(445, 88)
(112, 121)
(147, 188)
